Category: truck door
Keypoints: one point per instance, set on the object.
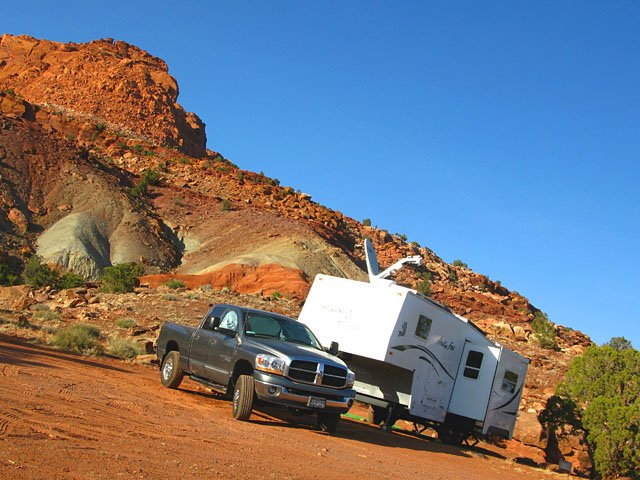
(474, 380)
(200, 343)
(221, 348)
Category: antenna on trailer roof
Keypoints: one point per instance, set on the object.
(372, 264)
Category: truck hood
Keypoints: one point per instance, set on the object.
(292, 350)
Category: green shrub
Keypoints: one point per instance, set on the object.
(120, 278)
(174, 284)
(47, 315)
(240, 177)
(79, 338)
(402, 236)
(126, 322)
(124, 348)
(148, 177)
(424, 284)
(38, 274)
(366, 222)
(170, 298)
(544, 331)
(460, 263)
(100, 127)
(224, 206)
(276, 295)
(69, 280)
(453, 277)
(7, 275)
(605, 382)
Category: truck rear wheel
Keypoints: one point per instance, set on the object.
(243, 394)
(328, 422)
(171, 373)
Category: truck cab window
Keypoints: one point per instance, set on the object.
(230, 321)
(424, 327)
(216, 312)
(473, 363)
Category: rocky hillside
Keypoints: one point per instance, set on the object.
(100, 165)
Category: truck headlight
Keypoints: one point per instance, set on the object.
(351, 377)
(270, 363)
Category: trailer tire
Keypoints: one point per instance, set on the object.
(376, 415)
(449, 435)
(243, 395)
(171, 373)
(328, 422)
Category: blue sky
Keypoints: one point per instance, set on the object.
(505, 134)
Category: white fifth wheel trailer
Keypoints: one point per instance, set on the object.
(414, 359)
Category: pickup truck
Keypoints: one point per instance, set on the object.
(252, 355)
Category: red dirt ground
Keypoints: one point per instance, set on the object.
(64, 416)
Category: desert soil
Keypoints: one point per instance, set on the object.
(64, 416)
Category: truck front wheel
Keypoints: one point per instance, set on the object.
(243, 394)
(328, 422)
(171, 373)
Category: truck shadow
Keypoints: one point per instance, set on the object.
(349, 429)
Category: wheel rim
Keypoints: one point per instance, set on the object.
(168, 368)
(236, 399)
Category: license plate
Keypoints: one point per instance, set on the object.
(315, 402)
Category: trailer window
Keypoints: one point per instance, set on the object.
(509, 381)
(472, 366)
(424, 327)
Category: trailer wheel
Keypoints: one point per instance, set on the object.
(376, 415)
(328, 422)
(171, 373)
(243, 395)
(450, 435)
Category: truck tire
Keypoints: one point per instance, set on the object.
(328, 422)
(376, 415)
(243, 395)
(171, 373)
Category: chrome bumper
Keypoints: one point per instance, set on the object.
(280, 394)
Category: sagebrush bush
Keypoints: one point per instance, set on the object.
(126, 322)
(174, 283)
(46, 314)
(120, 278)
(79, 338)
(460, 263)
(124, 347)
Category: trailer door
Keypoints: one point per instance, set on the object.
(506, 394)
(474, 380)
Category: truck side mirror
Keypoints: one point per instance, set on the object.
(216, 323)
(333, 348)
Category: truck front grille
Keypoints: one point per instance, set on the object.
(303, 371)
(317, 373)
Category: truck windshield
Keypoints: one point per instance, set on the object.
(260, 325)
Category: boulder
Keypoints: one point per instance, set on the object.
(16, 297)
(528, 430)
